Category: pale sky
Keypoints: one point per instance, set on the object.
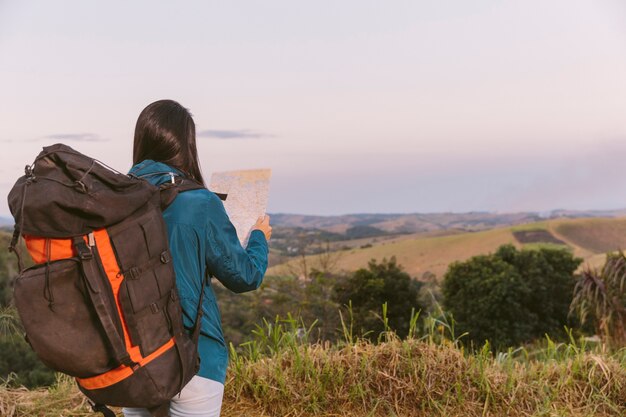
(357, 106)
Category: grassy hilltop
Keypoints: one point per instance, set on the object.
(280, 375)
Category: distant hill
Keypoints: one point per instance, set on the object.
(429, 222)
(420, 254)
(6, 222)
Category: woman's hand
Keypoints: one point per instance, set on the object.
(263, 224)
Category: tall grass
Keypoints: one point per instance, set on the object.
(281, 372)
(429, 373)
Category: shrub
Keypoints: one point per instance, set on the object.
(511, 296)
(368, 289)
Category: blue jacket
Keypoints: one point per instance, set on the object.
(201, 236)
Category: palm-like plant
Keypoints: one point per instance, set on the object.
(600, 298)
(9, 323)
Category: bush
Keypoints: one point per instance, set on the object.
(511, 296)
(368, 289)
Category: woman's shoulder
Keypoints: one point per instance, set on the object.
(200, 197)
(195, 206)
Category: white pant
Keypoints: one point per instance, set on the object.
(201, 397)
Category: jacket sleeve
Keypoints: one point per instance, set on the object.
(239, 269)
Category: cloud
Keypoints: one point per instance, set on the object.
(76, 137)
(62, 137)
(232, 134)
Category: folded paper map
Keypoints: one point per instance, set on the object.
(248, 192)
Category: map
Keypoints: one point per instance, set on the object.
(248, 192)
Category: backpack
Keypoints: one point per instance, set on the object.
(100, 303)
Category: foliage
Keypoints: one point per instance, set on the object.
(18, 361)
(367, 289)
(512, 296)
(8, 269)
(600, 298)
(310, 299)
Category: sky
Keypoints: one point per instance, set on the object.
(357, 106)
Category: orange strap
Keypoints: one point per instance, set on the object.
(122, 372)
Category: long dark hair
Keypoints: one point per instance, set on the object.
(165, 132)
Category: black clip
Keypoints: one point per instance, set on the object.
(101, 408)
(84, 253)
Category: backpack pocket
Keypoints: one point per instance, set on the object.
(60, 322)
(141, 249)
(150, 327)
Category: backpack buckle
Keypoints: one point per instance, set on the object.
(83, 251)
(28, 171)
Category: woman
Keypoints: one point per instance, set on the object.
(200, 236)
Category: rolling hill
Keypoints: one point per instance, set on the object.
(419, 254)
(428, 222)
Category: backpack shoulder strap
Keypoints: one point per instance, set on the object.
(170, 190)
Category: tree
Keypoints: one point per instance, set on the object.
(600, 299)
(511, 296)
(368, 289)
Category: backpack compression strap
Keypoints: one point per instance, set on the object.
(101, 408)
(169, 191)
(95, 292)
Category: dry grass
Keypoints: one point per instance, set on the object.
(395, 378)
(416, 378)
